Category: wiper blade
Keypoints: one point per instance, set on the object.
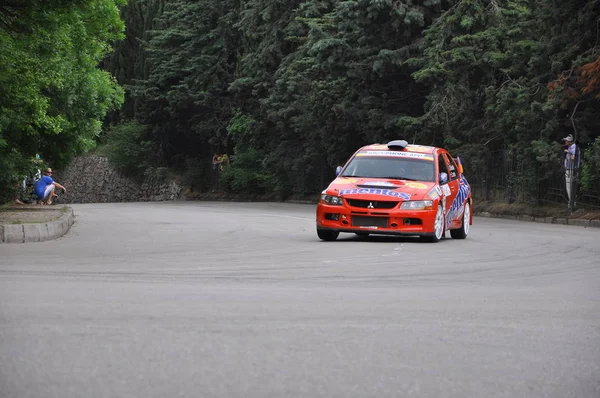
(351, 175)
(401, 178)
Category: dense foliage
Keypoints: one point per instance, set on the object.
(290, 88)
(52, 92)
(498, 77)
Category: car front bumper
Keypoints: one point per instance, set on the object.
(375, 221)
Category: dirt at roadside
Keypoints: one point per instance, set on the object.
(505, 209)
(28, 214)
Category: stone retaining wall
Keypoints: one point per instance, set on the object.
(90, 179)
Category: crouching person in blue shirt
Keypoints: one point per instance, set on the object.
(45, 187)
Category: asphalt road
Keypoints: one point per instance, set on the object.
(193, 299)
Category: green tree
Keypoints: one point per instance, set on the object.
(52, 93)
(345, 85)
(128, 62)
(492, 80)
(190, 58)
(488, 64)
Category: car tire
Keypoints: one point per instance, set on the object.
(463, 231)
(327, 235)
(438, 225)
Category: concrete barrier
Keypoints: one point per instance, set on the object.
(13, 233)
(22, 233)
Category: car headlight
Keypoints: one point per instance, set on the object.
(417, 205)
(331, 200)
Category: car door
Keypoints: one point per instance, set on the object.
(454, 205)
(444, 183)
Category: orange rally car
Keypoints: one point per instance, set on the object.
(397, 189)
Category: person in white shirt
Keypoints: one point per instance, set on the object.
(571, 163)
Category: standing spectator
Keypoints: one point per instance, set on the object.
(223, 161)
(45, 187)
(215, 161)
(571, 163)
(220, 161)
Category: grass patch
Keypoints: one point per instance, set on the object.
(25, 214)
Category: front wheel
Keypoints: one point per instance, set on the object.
(327, 235)
(463, 231)
(438, 227)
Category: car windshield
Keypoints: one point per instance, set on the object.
(398, 168)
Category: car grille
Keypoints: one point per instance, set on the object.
(365, 221)
(371, 204)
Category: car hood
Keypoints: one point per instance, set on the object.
(378, 188)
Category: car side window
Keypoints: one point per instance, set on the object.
(452, 167)
(443, 169)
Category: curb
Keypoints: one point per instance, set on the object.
(40, 232)
(580, 222)
(302, 202)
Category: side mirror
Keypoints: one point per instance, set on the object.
(338, 170)
(443, 178)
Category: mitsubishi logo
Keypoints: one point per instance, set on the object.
(370, 206)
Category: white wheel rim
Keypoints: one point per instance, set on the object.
(467, 218)
(439, 224)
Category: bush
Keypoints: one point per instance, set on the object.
(131, 153)
(247, 174)
(590, 173)
(15, 168)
